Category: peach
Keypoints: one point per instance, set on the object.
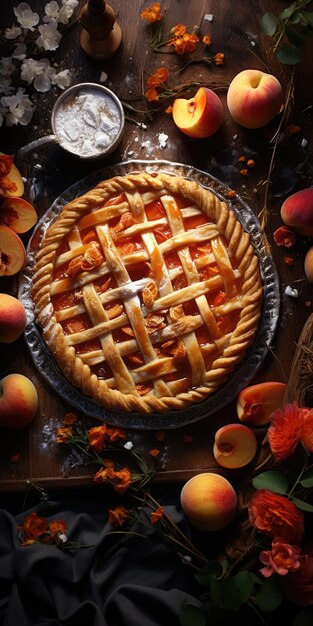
(12, 318)
(209, 501)
(12, 252)
(11, 182)
(235, 445)
(308, 265)
(18, 401)
(256, 403)
(254, 98)
(297, 212)
(199, 117)
(18, 214)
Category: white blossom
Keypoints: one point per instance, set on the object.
(20, 109)
(6, 66)
(25, 16)
(62, 79)
(12, 33)
(66, 10)
(19, 51)
(52, 10)
(50, 37)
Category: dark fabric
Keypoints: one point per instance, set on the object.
(115, 582)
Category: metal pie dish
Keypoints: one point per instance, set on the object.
(236, 381)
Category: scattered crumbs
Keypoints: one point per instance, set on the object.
(15, 458)
(24, 179)
(289, 260)
(290, 291)
(235, 137)
(163, 138)
(307, 303)
(103, 77)
(304, 143)
(154, 452)
(250, 163)
(231, 193)
(130, 153)
(143, 126)
(128, 445)
(145, 144)
(187, 438)
(136, 139)
(208, 17)
(252, 43)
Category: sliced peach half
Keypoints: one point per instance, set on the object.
(256, 403)
(200, 116)
(18, 214)
(235, 446)
(11, 184)
(12, 252)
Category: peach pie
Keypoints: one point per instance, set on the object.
(148, 292)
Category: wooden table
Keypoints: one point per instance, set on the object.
(237, 34)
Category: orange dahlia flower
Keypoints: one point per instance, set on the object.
(276, 516)
(285, 431)
(282, 558)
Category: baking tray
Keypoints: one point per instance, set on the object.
(241, 376)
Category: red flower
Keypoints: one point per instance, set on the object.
(33, 527)
(276, 516)
(284, 236)
(298, 586)
(285, 431)
(282, 558)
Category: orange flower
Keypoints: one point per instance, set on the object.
(285, 431)
(282, 558)
(124, 477)
(118, 516)
(57, 527)
(284, 236)
(114, 434)
(69, 419)
(154, 452)
(276, 516)
(184, 43)
(219, 58)
(179, 30)
(152, 94)
(152, 14)
(158, 77)
(190, 42)
(97, 437)
(206, 39)
(169, 110)
(157, 515)
(33, 527)
(64, 434)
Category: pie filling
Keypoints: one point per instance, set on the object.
(148, 289)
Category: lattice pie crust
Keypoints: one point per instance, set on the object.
(148, 292)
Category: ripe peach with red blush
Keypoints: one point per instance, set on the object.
(297, 212)
(235, 445)
(18, 401)
(12, 252)
(200, 116)
(12, 318)
(17, 214)
(256, 402)
(308, 265)
(254, 98)
(209, 501)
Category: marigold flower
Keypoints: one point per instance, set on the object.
(69, 419)
(154, 452)
(157, 515)
(125, 478)
(97, 436)
(152, 94)
(114, 434)
(276, 516)
(298, 586)
(206, 39)
(307, 429)
(118, 516)
(64, 434)
(152, 14)
(285, 431)
(57, 527)
(219, 58)
(284, 236)
(33, 527)
(282, 558)
(158, 77)
(179, 30)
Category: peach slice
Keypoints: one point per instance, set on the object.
(18, 214)
(11, 184)
(235, 446)
(12, 252)
(256, 403)
(200, 116)
(209, 501)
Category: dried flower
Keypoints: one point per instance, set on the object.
(276, 516)
(152, 14)
(282, 558)
(156, 515)
(284, 236)
(206, 39)
(118, 516)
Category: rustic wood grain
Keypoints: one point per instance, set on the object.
(232, 31)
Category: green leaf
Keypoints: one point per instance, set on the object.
(295, 37)
(303, 506)
(289, 55)
(275, 481)
(269, 597)
(233, 592)
(308, 15)
(269, 24)
(307, 478)
(286, 13)
(211, 570)
(191, 615)
(304, 618)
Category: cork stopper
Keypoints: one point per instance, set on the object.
(100, 35)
